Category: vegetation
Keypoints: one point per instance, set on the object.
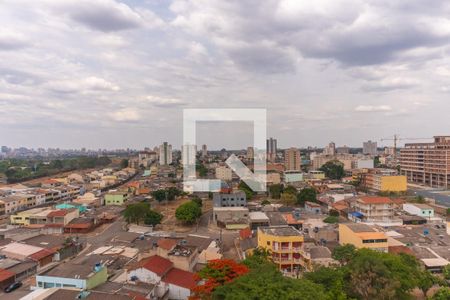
(275, 191)
(331, 220)
(307, 194)
(201, 169)
(18, 170)
(344, 254)
(442, 294)
(141, 212)
(333, 169)
(246, 189)
(217, 273)
(197, 200)
(265, 202)
(171, 193)
(188, 212)
(288, 199)
(124, 163)
(333, 213)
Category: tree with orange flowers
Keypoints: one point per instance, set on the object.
(217, 273)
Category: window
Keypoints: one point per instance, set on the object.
(268, 243)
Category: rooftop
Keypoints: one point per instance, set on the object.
(258, 216)
(20, 248)
(80, 268)
(167, 244)
(375, 200)
(281, 231)
(157, 265)
(181, 278)
(358, 228)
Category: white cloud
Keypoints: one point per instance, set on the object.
(373, 108)
(163, 101)
(125, 115)
(85, 85)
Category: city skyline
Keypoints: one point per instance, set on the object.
(110, 74)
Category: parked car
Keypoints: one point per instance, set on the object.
(13, 286)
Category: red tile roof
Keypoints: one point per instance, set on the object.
(181, 278)
(41, 254)
(375, 200)
(5, 274)
(245, 233)
(158, 265)
(167, 244)
(58, 213)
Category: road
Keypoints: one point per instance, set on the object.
(434, 194)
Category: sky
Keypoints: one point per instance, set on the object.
(118, 74)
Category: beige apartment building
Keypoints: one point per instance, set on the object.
(224, 173)
(292, 159)
(427, 163)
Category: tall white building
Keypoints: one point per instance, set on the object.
(188, 153)
(370, 148)
(330, 149)
(165, 154)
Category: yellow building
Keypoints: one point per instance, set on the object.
(284, 243)
(315, 174)
(23, 217)
(362, 236)
(384, 180)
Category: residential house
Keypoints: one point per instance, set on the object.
(116, 197)
(362, 236)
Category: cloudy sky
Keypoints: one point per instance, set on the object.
(117, 74)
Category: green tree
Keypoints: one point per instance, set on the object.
(124, 163)
(288, 199)
(159, 195)
(442, 294)
(275, 191)
(188, 212)
(426, 281)
(265, 202)
(172, 193)
(379, 275)
(332, 279)
(136, 212)
(446, 272)
(291, 190)
(331, 220)
(306, 194)
(152, 218)
(246, 189)
(333, 213)
(197, 200)
(344, 253)
(265, 282)
(333, 169)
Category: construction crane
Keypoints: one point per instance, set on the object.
(396, 138)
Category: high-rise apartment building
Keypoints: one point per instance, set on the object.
(188, 153)
(343, 150)
(370, 148)
(271, 147)
(204, 151)
(292, 159)
(165, 154)
(250, 153)
(427, 163)
(330, 149)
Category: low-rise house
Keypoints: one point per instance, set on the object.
(85, 273)
(258, 219)
(62, 217)
(362, 236)
(232, 199)
(313, 208)
(116, 197)
(23, 217)
(231, 217)
(419, 209)
(372, 210)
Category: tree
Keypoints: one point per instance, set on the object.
(124, 163)
(379, 275)
(246, 189)
(331, 220)
(332, 279)
(288, 199)
(197, 200)
(217, 273)
(344, 254)
(265, 282)
(159, 195)
(136, 212)
(172, 193)
(275, 191)
(306, 194)
(188, 212)
(265, 202)
(333, 169)
(426, 281)
(152, 218)
(448, 211)
(442, 294)
(291, 190)
(333, 213)
(446, 272)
